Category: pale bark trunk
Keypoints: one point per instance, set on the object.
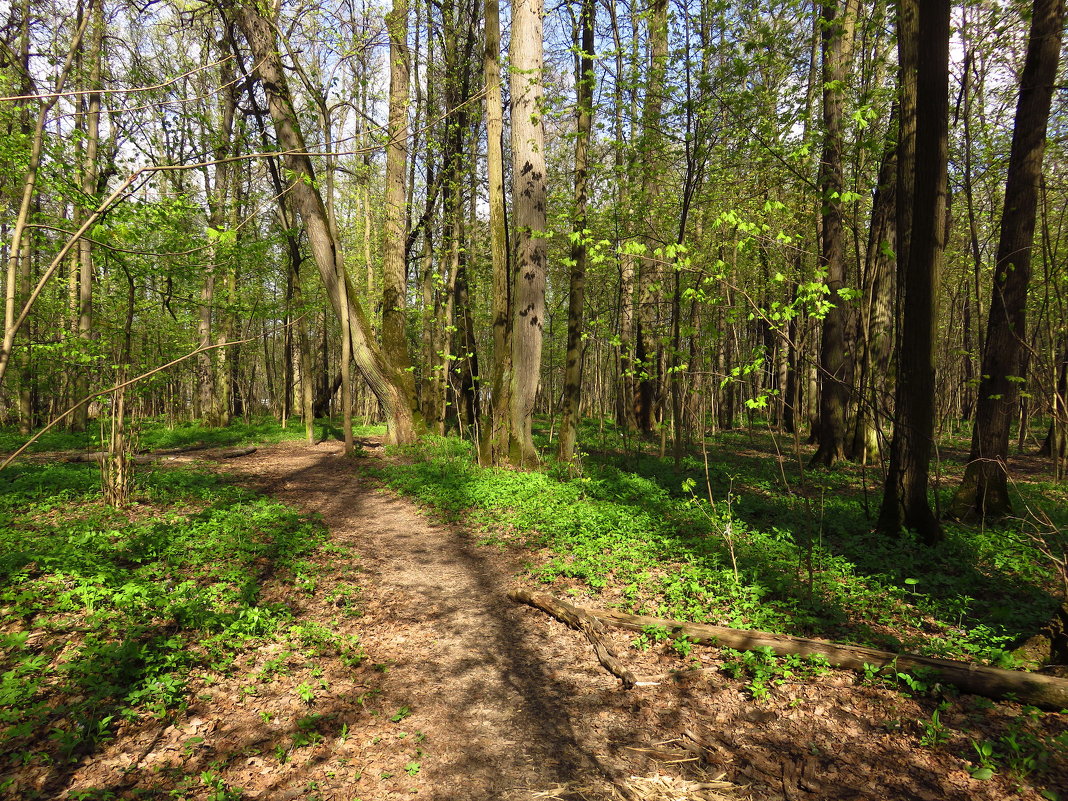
(494, 446)
(394, 266)
(528, 200)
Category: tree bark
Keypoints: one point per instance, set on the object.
(387, 379)
(838, 26)
(905, 500)
(394, 265)
(584, 85)
(528, 201)
(494, 445)
(984, 489)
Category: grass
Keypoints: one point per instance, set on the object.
(108, 615)
(799, 559)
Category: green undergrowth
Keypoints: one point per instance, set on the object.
(154, 434)
(799, 561)
(106, 615)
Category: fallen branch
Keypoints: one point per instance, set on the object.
(580, 619)
(1028, 688)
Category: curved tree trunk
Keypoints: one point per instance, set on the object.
(390, 383)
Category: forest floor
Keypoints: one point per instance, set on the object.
(462, 694)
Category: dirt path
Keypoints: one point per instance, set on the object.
(508, 708)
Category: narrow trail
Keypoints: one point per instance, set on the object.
(510, 704)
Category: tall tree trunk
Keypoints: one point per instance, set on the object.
(984, 489)
(494, 446)
(394, 264)
(388, 380)
(838, 28)
(528, 201)
(650, 273)
(89, 179)
(905, 501)
(584, 85)
(877, 316)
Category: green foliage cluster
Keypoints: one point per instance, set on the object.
(625, 527)
(106, 613)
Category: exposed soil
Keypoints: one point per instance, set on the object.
(465, 695)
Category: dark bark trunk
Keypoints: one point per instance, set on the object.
(905, 500)
(984, 490)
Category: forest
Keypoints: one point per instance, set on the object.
(689, 314)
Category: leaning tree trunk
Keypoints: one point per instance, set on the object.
(388, 381)
(528, 201)
(984, 490)
(905, 502)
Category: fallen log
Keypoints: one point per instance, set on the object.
(199, 446)
(157, 456)
(147, 458)
(234, 454)
(1035, 689)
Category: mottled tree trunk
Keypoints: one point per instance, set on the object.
(394, 267)
(528, 201)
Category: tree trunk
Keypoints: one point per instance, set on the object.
(838, 26)
(984, 490)
(584, 85)
(646, 344)
(528, 201)
(877, 316)
(394, 265)
(905, 501)
(90, 175)
(387, 379)
(494, 445)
